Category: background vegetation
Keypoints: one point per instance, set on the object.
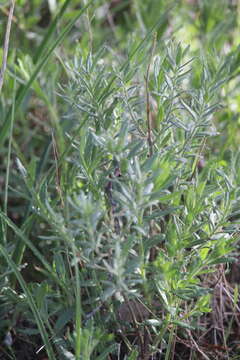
(119, 183)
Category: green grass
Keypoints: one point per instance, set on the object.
(120, 180)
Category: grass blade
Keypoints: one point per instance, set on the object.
(35, 251)
(50, 31)
(9, 157)
(23, 90)
(31, 303)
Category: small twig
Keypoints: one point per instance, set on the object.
(148, 110)
(6, 44)
(198, 158)
(197, 347)
(220, 277)
(58, 170)
(132, 310)
(149, 131)
(14, 19)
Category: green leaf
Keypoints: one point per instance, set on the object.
(184, 325)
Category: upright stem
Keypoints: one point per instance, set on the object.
(9, 159)
(148, 107)
(6, 44)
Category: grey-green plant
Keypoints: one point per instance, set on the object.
(131, 207)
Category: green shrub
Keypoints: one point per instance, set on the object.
(132, 204)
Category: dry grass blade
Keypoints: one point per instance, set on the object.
(148, 110)
(6, 44)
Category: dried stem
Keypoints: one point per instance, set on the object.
(148, 109)
(58, 170)
(6, 44)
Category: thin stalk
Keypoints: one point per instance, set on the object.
(170, 341)
(31, 303)
(149, 129)
(88, 26)
(148, 106)
(50, 31)
(6, 45)
(58, 170)
(78, 319)
(35, 251)
(9, 160)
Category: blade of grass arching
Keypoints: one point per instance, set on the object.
(45, 57)
(9, 159)
(78, 317)
(28, 243)
(28, 219)
(31, 304)
(43, 46)
(19, 250)
(6, 44)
